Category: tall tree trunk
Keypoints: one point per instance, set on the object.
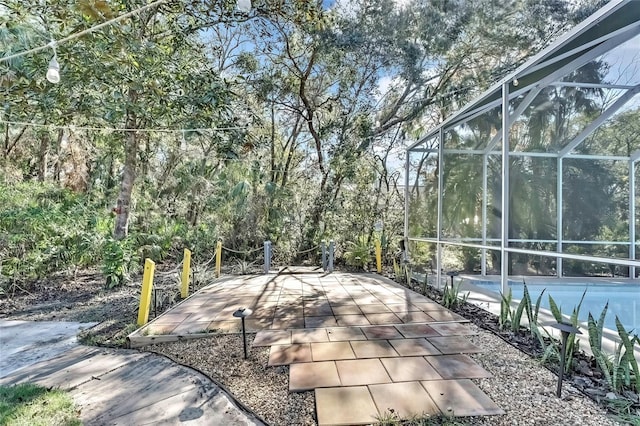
(123, 204)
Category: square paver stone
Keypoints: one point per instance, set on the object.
(405, 399)
(452, 329)
(158, 329)
(415, 317)
(373, 349)
(312, 375)
(446, 315)
(309, 335)
(454, 345)
(346, 310)
(330, 351)
(381, 332)
(414, 347)
(347, 320)
(384, 318)
(402, 307)
(457, 367)
(341, 334)
(272, 337)
(283, 324)
(362, 372)
(345, 406)
(417, 330)
(321, 321)
(289, 354)
(408, 369)
(461, 398)
(374, 309)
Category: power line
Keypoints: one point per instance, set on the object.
(115, 129)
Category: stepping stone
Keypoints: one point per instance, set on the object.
(330, 351)
(461, 398)
(272, 337)
(373, 349)
(339, 334)
(405, 399)
(289, 354)
(381, 333)
(457, 367)
(454, 345)
(312, 375)
(414, 347)
(409, 369)
(362, 372)
(309, 335)
(345, 406)
(417, 330)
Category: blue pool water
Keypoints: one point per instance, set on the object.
(624, 299)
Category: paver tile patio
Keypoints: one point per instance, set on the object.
(414, 347)
(340, 334)
(461, 398)
(331, 351)
(373, 349)
(375, 309)
(345, 406)
(289, 354)
(445, 315)
(405, 399)
(346, 310)
(362, 372)
(457, 367)
(312, 375)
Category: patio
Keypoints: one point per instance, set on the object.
(363, 343)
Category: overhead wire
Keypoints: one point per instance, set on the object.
(90, 30)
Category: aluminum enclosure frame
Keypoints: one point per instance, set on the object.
(612, 25)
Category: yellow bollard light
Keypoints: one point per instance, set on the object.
(218, 258)
(186, 271)
(378, 256)
(145, 296)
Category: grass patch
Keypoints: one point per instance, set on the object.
(33, 405)
(391, 418)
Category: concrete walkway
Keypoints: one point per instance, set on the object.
(116, 386)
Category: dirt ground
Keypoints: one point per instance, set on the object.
(84, 298)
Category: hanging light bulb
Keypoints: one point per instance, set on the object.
(243, 6)
(53, 73)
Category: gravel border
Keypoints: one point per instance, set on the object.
(520, 385)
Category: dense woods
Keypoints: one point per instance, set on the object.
(191, 122)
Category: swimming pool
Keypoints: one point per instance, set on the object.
(623, 298)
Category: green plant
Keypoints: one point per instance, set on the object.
(451, 295)
(119, 262)
(532, 315)
(358, 253)
(573, 344)
(505, 310)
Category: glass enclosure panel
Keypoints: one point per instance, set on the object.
(423, 190)
(476, 133)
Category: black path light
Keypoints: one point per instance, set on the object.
(242, 313)
(452, 274)
(566, 329)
